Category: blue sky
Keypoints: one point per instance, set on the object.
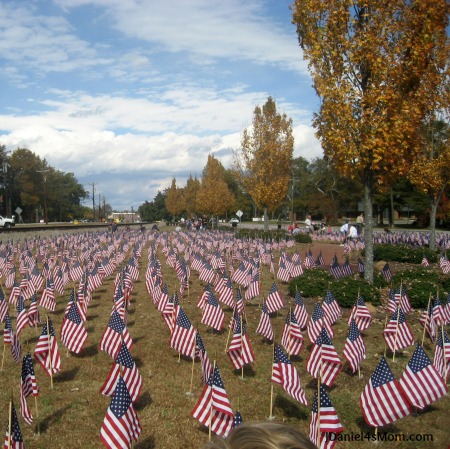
(128, 94)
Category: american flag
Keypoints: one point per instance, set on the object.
(213, 314)
(427, 321)
(285, 374)
(383, 401)
(11, 338)
(274, 301)
(226, 296)
(265, 326)
(346, 268)
(317, 322)
(163, 299)
(444, 264)
(320, 262)
(354, 348)
(183, 336)
(200, 353)
(254, 289)
(213, 407)
(46, 351)
(283, 273)
(421, 381)
(437, 311)
(121, 425)
(401, 297)
(441, 359)
(361, 266)
(35, 278)
(14, 293)
(33, 312)
(292, 338)
(361, 314)
(58, 280)
(324, 361)
(22, 316)
(114, 334)
(446, 310)
(239, 306)
(324, 421)
(48, 296)
(300, 310)
(16, 435)
(240, 350)
(424, 262)
(124, 366)
(73, 332)
(387, 273)
(398, 334)
(204, 297)
(3, 305)
(335, 269)
(238, 420)
(309, 260)
(331, 308)
(28, 386)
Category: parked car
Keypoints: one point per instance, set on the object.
(234, 220)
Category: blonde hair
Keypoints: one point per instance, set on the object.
(263, 435)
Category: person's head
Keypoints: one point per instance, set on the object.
(263, 435)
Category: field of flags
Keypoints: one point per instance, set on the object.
(151, 339)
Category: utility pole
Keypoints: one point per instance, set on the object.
(93, 200)
(44, 174)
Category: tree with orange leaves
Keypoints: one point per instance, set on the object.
(264, 162)
(378, 68)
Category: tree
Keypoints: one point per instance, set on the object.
(376, 67)
(214, 197)
(154, 210)
(174, 202)
(430, 172)
(34, 186)
(265, 159)
(190, 196)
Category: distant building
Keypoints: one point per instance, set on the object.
(125, 217)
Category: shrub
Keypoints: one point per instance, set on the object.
(346, 291)
(302, 238)
(258, 233)
(420, 283)
(316, 282)
(311, 283)
(403, 253)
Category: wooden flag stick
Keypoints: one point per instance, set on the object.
(10, 423)
(399, 308)
(49, 354)
(37, 416)
(211, 409)
(271, 386)
(445, 356)
(242, 367)
(192, 374)
(318, 406)
(3, 355)
(229, 331)
(385, 345)
(427, 318)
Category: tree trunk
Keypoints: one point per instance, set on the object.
(368, 234)
(266, 220)
(433, 209)
(392, 214)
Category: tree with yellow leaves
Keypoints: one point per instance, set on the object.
(377, 68)
(214, 197)
(430, 172)
(264, 162)
(190, 195)
(174, 199)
